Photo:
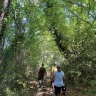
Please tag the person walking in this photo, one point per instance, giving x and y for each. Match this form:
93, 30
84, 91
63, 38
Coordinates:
58, 79
54, 68
41, 74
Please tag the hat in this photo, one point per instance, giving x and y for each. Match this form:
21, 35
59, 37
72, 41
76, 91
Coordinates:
58, 66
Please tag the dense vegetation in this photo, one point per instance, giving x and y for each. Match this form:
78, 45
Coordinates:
36, 31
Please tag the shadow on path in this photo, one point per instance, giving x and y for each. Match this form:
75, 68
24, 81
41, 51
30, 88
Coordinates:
46, 90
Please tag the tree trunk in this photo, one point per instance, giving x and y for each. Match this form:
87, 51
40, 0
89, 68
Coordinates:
3, 13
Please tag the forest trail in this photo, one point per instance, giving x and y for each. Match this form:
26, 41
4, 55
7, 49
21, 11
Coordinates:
47, 90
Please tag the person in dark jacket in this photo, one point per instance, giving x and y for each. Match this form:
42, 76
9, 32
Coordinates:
41, 74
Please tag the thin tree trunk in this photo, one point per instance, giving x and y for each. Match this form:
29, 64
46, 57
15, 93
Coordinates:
3, 13
3, 10
3, 25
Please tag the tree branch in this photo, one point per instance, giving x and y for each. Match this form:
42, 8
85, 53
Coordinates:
78, 17
84, 7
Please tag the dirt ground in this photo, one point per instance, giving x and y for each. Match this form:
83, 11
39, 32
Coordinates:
47, 89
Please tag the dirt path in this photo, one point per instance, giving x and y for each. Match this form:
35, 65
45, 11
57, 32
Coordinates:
46, 90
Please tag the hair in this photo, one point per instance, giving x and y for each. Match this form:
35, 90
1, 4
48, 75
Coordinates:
42, 64
54, 64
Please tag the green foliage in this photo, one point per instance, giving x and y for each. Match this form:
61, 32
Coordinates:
48, 31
